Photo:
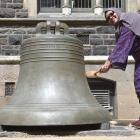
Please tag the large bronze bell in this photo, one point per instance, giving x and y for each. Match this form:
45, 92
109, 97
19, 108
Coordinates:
52, 89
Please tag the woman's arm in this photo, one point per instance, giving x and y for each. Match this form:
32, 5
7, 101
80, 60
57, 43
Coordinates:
120, 53
118, 58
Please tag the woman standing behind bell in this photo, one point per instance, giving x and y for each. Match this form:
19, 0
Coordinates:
127, 26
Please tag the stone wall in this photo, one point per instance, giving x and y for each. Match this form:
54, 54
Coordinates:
97, 40
11, 38
12, 9
8, 74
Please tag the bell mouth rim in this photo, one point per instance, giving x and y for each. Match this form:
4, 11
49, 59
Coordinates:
38, 117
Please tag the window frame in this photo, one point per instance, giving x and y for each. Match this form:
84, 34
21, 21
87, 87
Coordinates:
123, 5
73, 10
46, 9
58, 10
82, 10
11, 91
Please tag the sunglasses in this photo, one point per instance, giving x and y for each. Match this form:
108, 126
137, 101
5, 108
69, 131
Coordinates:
109, 16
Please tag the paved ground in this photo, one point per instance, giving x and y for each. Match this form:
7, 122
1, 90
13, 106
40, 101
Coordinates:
76, 138
115, 132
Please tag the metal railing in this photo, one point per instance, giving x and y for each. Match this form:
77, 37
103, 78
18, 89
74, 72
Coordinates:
81, 3
78, 5
74, 3
50, 3
114, 3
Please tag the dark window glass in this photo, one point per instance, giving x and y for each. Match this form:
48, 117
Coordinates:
9, 88
50, 3
81, 3
113, 3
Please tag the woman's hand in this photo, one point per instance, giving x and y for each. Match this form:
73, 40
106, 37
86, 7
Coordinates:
105, 67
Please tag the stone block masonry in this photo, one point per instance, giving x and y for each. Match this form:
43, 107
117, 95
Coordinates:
12, 37
12, 9
98, 40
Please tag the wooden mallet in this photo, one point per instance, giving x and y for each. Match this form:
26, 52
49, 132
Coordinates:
92, 74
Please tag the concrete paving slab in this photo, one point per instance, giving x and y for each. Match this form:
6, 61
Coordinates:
114, 133
76, 138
